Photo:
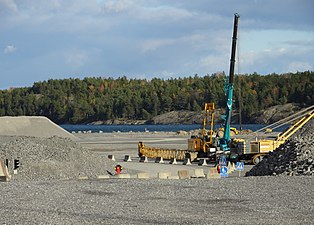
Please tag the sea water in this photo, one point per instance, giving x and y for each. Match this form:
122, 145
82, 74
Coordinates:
152, 128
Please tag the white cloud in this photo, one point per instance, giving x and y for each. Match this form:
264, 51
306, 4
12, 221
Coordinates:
117, 6
163, 13
154, 44
76, 58
298, 66
214, 63
9, 49
159, 37
8, 6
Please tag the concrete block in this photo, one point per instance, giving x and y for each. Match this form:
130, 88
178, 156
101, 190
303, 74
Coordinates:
124, 176
213, 170
127, 158
233, 167
4, 173
111, 157
175, 177
187, 161
143, 175
230, 168
164, 175
213, 175
198, 173
159, 160
103, 177
202, 162
184, 174
143, 159
173, 161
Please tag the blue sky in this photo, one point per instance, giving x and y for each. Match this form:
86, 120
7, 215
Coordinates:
55, 39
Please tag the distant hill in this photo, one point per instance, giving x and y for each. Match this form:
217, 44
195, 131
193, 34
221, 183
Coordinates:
118, 100
267, 116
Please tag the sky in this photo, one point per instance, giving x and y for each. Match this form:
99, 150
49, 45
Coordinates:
58, 39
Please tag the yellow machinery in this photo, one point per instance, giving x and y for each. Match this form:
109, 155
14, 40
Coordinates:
204, 142
233, 132
256, 150
197, 146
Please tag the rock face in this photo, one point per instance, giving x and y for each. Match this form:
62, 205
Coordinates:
275, 113
293, 158
267, 116
178, 117
184, 117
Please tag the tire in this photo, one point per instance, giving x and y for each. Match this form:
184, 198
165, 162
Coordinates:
256, 160
220, 133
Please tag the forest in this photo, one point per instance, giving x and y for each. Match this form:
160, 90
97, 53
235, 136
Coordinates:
102, 98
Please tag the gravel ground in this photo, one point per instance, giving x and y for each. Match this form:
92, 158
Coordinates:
38, 194
249, 200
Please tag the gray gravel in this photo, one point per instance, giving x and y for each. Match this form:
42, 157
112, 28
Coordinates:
250, 200
293, 158
52, 158
38, 194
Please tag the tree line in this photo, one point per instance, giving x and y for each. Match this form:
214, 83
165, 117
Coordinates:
99, 98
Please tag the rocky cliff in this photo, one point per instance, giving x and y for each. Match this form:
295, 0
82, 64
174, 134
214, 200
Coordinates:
267, 116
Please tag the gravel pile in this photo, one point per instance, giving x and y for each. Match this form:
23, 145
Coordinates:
52, 158
294, 158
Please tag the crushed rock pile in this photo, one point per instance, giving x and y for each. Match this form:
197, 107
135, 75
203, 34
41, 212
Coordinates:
52, 158
35, 126
293, 158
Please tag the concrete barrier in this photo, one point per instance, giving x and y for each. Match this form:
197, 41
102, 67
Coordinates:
184, 174
175, 177
111, 157
83, 178
124, 176
213, 173
163, 175
143, 176
173, 161
187, 161
103, 177
230, 168
4, 173
143, 159
127, 158
202, 162
159, 160
198, 173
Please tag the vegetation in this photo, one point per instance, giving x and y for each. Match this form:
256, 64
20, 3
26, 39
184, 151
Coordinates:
93, 99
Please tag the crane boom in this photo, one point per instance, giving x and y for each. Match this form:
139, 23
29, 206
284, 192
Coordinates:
224, 142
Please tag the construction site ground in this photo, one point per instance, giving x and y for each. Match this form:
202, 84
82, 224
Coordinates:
120, 145
44, 198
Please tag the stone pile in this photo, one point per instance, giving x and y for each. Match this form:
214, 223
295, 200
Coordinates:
293, 158
52, 158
